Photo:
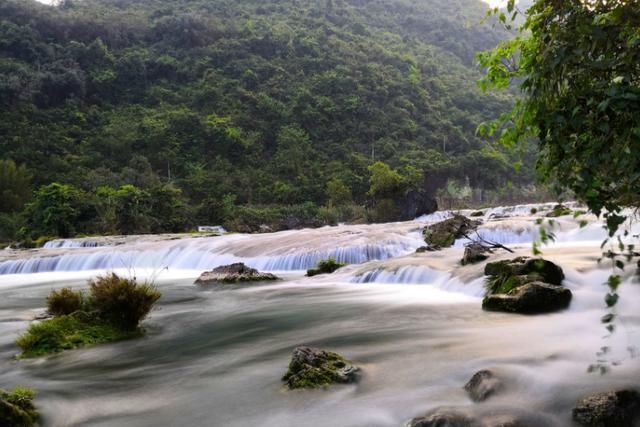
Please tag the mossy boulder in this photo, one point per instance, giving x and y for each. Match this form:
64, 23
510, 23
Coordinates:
17, 408
525, 285
313, 368
476, 214
530, 298
234, 273
444, 233
534, 268
611, 409
559, 210
325, 267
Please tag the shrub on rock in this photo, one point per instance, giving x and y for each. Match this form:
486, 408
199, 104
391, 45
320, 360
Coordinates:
17, 408
313, 368
325, 267
122, 302
64, 301
112, 311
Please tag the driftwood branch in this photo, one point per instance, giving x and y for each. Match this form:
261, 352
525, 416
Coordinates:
479, 240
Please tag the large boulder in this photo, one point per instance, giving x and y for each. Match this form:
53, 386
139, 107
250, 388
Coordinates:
444, 233
525, 285
233, 273
482, 385
530, 298
313, 368
524, 266
611, 409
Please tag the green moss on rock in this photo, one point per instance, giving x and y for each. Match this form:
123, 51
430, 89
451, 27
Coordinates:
325, 267
313, 368
67, 332
17, 408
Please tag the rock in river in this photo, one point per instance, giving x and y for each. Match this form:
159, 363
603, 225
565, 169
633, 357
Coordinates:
525, 285
234, 273
482, 385
312, 368
444, 233
611, 409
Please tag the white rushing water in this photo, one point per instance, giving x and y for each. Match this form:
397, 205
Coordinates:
413, 322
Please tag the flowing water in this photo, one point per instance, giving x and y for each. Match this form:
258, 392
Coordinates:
413, 322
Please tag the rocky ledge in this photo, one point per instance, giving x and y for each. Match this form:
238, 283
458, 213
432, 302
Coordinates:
234, 273
444, 233
313, 368
525, 285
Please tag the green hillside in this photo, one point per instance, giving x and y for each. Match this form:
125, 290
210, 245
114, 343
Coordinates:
238, 112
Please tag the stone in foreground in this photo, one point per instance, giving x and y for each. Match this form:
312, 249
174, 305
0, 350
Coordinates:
483, 385
612, 409
233, 273
444, 233
313, 368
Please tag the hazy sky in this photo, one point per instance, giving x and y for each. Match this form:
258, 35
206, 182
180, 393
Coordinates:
495, 3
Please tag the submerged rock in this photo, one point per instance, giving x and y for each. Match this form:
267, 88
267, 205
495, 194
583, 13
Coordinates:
452, 417
444, 417
444, 233
611, 409
476, 214
475, 253
234, 273
312, 368
525, 285
482, 385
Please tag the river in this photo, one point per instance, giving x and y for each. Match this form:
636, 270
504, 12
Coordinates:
412, 322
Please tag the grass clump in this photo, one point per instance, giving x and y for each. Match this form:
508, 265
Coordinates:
326, 266
17, 408
64, 301
112, 311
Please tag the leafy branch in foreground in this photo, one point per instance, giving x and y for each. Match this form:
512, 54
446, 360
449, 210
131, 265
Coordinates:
576, 65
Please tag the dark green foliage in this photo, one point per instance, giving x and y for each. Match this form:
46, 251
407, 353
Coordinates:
276, 103
112, 311
325, 266
15, 186
17, 408
576, 63
64, 301
122, 302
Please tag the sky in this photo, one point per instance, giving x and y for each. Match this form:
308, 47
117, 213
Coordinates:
494, 3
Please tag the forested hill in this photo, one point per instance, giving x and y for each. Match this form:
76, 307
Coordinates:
223, 107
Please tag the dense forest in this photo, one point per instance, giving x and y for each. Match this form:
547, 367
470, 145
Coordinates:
133, 116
